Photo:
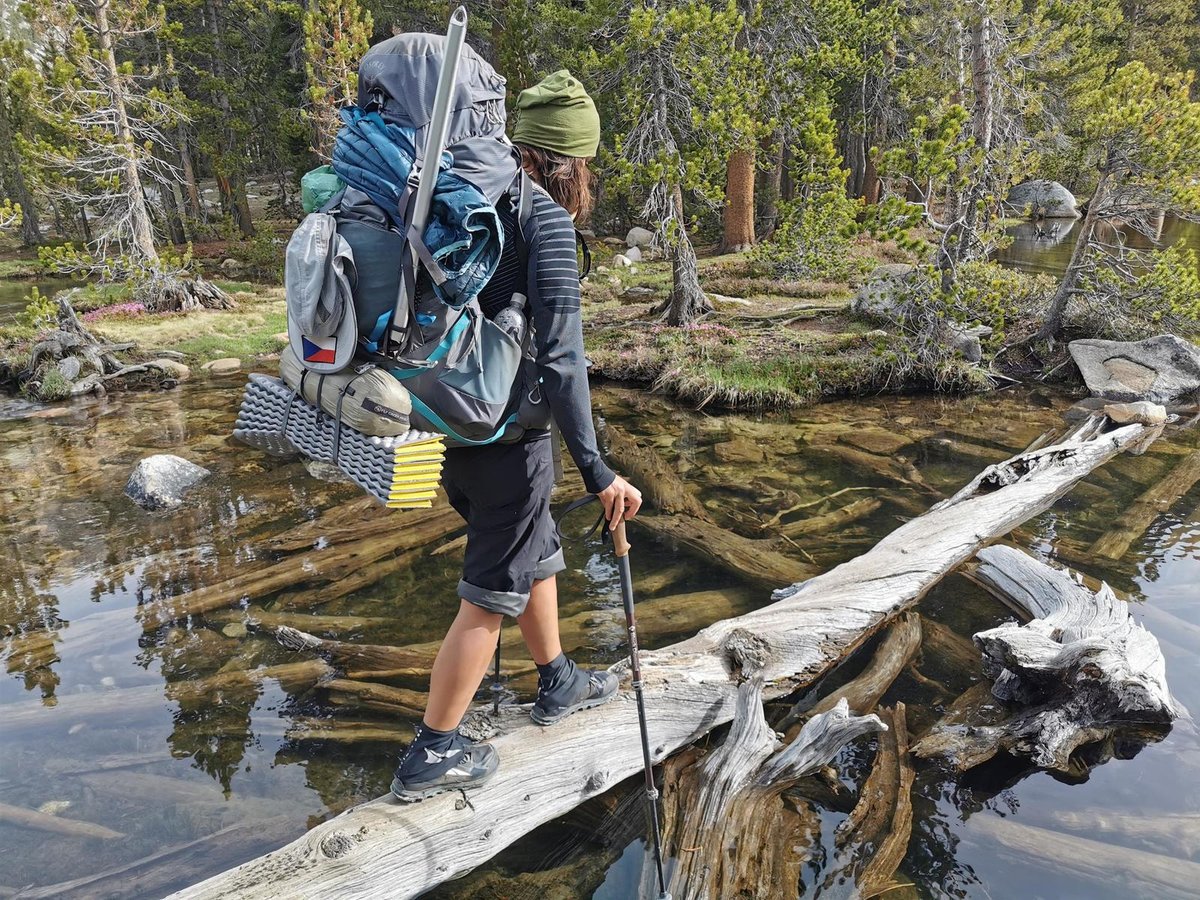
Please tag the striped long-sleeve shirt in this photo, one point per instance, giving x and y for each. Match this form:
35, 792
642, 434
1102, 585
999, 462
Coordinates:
552, 287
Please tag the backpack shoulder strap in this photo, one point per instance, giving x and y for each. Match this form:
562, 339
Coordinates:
522, 200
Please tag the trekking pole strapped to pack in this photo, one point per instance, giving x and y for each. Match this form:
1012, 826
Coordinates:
416, 217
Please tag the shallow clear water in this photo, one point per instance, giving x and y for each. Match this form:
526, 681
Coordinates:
14, 292
1045, 247
94, 727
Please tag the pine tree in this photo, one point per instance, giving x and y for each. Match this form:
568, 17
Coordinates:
1141, 132
108, 125
672, 64
18, 84
336, 35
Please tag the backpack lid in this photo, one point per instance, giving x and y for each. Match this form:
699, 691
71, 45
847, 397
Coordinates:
399, 78
318, 276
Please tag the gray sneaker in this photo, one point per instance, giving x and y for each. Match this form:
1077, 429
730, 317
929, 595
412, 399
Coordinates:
585, 690
426, 773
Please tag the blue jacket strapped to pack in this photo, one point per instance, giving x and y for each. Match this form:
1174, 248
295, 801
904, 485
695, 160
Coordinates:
463, 237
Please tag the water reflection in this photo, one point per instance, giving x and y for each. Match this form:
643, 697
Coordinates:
204, 728
1045, 247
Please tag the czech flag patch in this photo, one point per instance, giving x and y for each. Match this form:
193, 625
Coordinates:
319, 349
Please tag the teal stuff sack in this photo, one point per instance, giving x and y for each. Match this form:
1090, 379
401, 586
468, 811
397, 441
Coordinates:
318, 187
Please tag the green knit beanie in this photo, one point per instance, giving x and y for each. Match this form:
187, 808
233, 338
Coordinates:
557, 114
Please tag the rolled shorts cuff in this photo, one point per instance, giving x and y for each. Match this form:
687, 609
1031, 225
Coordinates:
506, 603
551, 565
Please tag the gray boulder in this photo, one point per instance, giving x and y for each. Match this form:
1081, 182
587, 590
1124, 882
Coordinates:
70, 367
160, 481
633, 254
879, 296
1043, 198
966, 341
639, 237
1161, 369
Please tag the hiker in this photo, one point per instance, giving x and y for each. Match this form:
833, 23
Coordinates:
503, 489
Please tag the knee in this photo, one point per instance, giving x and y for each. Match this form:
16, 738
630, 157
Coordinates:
476, 616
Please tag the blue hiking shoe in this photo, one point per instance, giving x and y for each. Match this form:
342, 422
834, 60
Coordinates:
445, 762
564, 689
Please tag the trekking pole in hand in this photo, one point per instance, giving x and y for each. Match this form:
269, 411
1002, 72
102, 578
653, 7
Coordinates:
621, 549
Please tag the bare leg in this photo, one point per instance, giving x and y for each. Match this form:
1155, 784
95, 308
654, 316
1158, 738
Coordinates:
539, 622
460, 666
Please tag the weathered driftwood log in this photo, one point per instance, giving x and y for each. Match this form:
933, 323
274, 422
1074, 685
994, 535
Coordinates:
347, 731
1105, 865
1079, 671
691, 688
728, 807
378, 697
370, 574
31, 818
254, 617
1156, 500
863, 691
947, 645
681, 517
873, 839
832, 520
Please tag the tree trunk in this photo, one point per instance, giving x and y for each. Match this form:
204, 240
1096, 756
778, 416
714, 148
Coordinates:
143, 233
229, 178
738, 235
1067, 288
191, 188
687, 301
872, 185
396, 850
31, 232
171, 204
727, 808
1081, 671
772, 189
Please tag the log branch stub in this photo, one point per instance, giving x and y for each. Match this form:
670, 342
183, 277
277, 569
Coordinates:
873, 839
728, 806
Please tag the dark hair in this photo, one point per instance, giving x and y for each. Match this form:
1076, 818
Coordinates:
566, 179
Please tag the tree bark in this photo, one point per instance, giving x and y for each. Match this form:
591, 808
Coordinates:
727, 808
768, 198
183, 147
687, 301
738, 219
31, 232
387, 849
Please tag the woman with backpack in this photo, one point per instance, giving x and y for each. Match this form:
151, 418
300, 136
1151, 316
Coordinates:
503, 489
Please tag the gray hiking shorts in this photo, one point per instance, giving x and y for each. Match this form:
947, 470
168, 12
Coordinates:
503, 492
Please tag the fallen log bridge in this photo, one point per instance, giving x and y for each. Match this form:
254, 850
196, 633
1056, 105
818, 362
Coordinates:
387, 849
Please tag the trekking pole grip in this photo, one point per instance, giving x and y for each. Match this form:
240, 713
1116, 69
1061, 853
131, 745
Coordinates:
620, 541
